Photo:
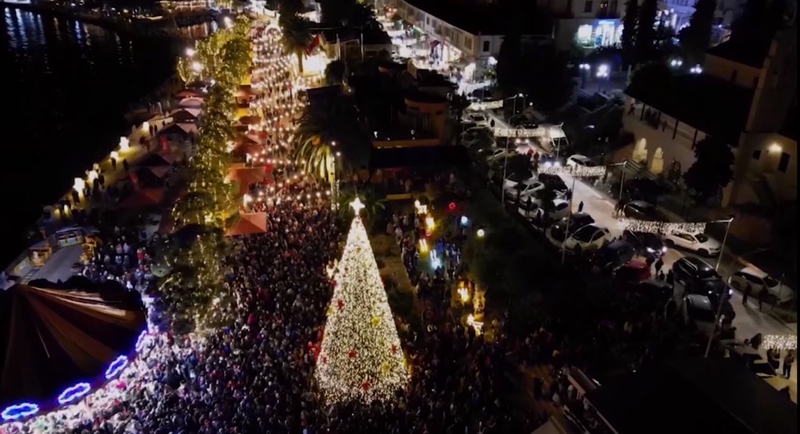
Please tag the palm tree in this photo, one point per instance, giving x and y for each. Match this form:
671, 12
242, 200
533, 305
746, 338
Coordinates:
373, 203
329, 138
296, 37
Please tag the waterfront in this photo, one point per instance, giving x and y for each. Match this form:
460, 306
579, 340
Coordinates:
67, 88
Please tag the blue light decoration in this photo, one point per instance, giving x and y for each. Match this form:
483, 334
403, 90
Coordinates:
140, 341
72, 393
464, 220
116, 367
19, 411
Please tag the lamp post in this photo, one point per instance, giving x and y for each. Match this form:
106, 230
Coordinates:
503, 184
724, 240
722, 299
585, 71
575, 172
602, 73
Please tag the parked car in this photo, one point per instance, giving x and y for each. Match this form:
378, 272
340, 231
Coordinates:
699, 312
553, 182
512, 180
642, 210
529, 189
703, 244
495, 154
479, 119
613, 255
633, 271
556, 232
586, 239
578, 160
698, 277
758, 280
645, 243
535, 212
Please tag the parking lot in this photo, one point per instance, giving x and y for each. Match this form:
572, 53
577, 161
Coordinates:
749, 320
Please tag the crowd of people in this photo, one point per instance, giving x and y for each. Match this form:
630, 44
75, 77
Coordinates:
256, 376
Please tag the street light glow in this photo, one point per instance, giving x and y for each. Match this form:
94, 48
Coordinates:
602, 71
697, 69
190, 52
197, 66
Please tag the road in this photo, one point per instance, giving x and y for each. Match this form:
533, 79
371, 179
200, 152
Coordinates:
749, 320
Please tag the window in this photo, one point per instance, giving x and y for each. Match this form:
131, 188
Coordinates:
587, 8
485, 46
604, 6
757, 155
784, 163
614, 6
734, 74
468, 43
428, 20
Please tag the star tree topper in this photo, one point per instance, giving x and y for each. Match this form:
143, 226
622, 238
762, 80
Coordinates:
357, 206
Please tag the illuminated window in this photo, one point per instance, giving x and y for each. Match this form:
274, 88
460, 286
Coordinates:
585, 33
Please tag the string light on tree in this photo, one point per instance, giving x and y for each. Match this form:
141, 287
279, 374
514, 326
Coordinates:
780, 342
360, 356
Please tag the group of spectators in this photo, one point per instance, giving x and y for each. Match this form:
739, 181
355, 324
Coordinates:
256, 376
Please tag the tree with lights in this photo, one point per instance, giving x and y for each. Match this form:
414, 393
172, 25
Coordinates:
296, 37
696, 38
360, 358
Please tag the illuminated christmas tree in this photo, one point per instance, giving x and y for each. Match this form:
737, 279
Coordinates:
361, 357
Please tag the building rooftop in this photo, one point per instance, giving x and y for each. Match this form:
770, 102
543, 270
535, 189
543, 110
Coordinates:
695, 397
419, 156
479, 17
748, 54
712, 105
371, 37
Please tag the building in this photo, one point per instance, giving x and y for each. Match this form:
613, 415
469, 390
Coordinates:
690, 397
347, 43
589, 23
677, 13
748, 95
470, 36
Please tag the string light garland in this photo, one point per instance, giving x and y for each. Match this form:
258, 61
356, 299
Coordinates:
360, 356
652, 227
488, 105
577, 171
780, 342
19, 411
75, 392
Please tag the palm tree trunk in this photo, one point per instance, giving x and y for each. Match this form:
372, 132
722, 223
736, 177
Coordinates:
300, 60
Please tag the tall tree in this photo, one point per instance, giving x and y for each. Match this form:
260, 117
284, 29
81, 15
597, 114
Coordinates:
646, 31
547, 77
696, 38
296, 37
628, 39
335, 72
509, 62
712, 169
360, 358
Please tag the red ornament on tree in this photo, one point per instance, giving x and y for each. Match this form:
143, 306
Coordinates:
365, 385
324, 360
340, 304
394, 349
352, 354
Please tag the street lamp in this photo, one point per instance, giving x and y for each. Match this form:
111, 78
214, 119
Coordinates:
676, 63
602, 73
575, 172
586, 70
697, 69
190, 52
724, 240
